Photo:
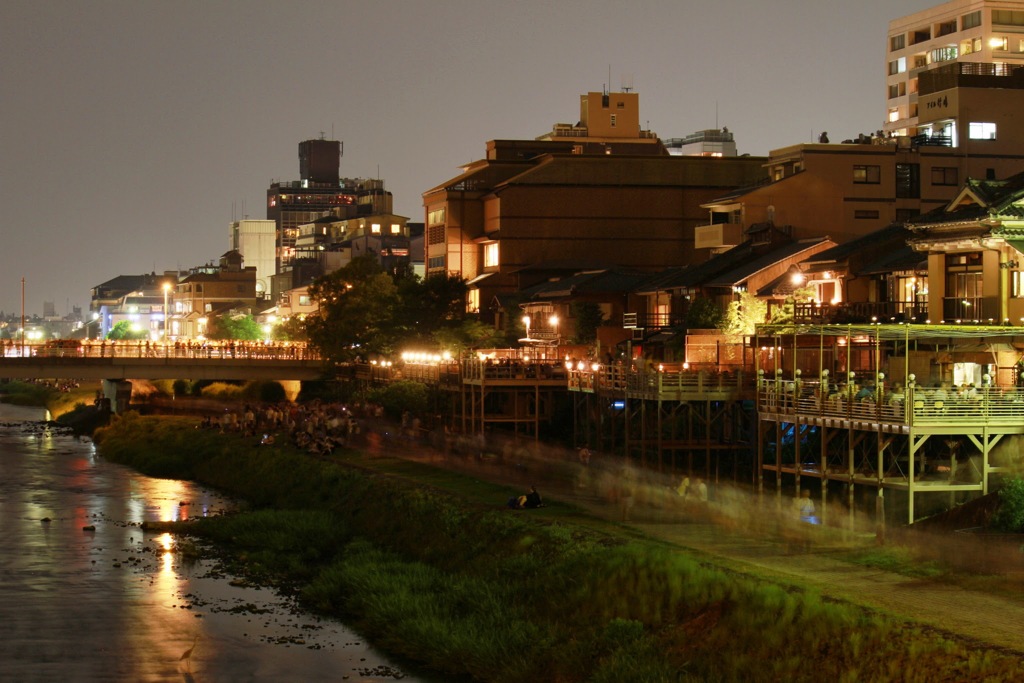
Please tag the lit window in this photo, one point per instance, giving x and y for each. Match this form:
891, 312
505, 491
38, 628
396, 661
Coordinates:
894, 115
867, 174
998, 43
490, 254
981, 131
375, 228
473, 301
395, 228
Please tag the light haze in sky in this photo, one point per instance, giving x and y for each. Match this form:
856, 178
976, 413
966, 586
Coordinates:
134, 132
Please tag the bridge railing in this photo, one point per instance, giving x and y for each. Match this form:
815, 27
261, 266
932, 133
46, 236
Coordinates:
137, 349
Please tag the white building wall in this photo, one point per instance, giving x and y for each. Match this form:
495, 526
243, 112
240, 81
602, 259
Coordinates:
255, 241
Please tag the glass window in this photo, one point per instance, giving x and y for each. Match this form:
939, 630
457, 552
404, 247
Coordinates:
1006, 17
1017, 284
948, 175
908, 181
491, 255
977, 130
897, 42
613, 120
867, 174
395, 228
971, 20
943, 54
375, 228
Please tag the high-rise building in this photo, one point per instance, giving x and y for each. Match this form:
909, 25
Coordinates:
986, 34
320, 188
255, 240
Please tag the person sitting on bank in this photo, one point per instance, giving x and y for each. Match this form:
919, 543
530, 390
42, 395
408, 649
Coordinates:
533, 499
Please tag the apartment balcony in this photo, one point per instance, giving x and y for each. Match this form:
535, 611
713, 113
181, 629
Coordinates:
717, 235
970, 308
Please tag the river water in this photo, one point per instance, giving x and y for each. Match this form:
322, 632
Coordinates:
118, 604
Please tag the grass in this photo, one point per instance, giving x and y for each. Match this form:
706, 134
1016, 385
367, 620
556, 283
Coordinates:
469, 588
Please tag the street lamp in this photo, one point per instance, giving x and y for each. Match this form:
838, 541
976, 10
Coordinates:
167, 289
553, 320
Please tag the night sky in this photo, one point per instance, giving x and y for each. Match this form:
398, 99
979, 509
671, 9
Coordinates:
134, 132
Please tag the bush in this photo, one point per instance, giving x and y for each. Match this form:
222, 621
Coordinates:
1010, 515
181, 387
400, 396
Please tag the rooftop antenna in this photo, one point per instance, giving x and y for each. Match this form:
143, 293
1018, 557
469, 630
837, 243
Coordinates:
627, 83
716, 114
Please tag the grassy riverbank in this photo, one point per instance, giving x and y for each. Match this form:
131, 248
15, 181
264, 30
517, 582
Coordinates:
473, 588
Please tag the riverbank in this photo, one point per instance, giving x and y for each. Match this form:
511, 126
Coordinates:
468, 587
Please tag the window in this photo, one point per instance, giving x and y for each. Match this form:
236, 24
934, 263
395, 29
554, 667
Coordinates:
898, 89
620, 105
396, 229
898, 66
865, 214
1006, 17
375, 228
897, 42
473, 301
613, 120
1017, 284
998, 43
491, 255
304, 300
436, 216
894, 115
943, 54
945, 175
435, 262
871, 175
970, 20
908, 181
947, 27
981, 131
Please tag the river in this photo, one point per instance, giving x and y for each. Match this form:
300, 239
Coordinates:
86, 595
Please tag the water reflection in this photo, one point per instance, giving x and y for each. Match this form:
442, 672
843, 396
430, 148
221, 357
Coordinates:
87, 595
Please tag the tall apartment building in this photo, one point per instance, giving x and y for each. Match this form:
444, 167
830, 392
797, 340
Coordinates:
320, 188
987, 34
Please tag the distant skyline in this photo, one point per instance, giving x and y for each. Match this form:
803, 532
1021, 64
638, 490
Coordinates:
134, 132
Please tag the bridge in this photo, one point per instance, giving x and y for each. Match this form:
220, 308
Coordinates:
118, 362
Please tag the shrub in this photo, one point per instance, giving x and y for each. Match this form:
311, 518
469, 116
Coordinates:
1010, 515
181, 387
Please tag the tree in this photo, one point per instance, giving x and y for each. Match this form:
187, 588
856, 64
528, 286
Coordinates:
125, 329
470, 334
588, 317
704, 314
745, 314
356, 315
240, 327
292, 329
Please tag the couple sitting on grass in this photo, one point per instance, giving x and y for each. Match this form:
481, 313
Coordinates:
528, 502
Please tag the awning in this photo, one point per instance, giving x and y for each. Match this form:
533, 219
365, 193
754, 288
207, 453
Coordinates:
479, 278
1017, 244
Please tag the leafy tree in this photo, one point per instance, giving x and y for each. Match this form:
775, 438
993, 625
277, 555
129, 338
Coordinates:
357, 311
293, 329
588, 317
1010, 514
240, 327
744, 314
704, 314
397, 397
123, 329
470, 334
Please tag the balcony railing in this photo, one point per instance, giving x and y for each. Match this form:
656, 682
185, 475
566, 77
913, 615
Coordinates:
861, 311
987, 405
650, 321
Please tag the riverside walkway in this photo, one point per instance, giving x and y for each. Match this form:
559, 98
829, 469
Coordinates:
987, 609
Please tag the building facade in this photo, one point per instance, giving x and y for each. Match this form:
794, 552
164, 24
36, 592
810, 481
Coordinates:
961, 31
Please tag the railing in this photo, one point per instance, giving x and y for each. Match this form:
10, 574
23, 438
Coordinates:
515, 368
861, 311
662, 381
986, 405
650, 321
142, 349
964, 308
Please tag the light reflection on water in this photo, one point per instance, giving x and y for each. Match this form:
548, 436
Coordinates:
119, 604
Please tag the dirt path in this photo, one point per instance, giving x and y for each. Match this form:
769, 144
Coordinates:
935, 603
